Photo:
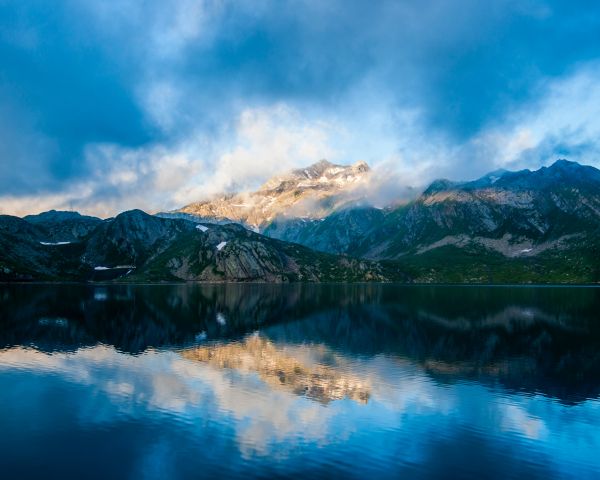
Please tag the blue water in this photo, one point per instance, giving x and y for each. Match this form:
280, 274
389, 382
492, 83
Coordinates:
363, 381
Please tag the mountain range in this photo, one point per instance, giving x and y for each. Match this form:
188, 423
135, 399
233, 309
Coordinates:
316, 224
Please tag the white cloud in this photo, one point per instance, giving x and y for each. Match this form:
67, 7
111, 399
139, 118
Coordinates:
266, 141
261, 142
564, 121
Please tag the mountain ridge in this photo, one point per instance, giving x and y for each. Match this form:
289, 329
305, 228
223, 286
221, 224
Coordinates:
136, 246
525, 226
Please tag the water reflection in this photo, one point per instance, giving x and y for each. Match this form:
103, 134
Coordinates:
283, 368
529, 339
251, 380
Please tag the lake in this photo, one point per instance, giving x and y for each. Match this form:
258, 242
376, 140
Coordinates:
319, 381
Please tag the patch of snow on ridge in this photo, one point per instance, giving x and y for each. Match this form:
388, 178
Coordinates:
221, 319
55, 243
221, 245
202, 228
130, 267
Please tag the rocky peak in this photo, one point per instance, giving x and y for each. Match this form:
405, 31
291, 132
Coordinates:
318, 175
304, 191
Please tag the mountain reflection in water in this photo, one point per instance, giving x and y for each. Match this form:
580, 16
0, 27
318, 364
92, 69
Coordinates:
280, 369
287, 380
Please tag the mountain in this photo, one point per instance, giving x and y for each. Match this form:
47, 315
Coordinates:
541, 225
513, 213
311, 192
135, 246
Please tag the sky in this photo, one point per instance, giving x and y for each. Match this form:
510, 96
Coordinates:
107, 105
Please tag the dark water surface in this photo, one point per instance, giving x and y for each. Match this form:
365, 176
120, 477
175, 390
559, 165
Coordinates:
360, 381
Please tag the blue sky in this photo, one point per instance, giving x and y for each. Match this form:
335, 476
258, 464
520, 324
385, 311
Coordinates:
108, 105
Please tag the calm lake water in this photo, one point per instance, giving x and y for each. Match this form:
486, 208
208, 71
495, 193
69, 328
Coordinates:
359, 381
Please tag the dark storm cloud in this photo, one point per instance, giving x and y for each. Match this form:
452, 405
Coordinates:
78, 73
62, 85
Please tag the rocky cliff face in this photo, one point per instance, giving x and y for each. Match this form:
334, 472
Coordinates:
312, 192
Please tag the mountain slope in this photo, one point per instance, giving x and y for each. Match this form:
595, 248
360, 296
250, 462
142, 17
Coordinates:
339, 232
26, 253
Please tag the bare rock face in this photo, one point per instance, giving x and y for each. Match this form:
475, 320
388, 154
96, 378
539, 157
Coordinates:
249, 261
311, 192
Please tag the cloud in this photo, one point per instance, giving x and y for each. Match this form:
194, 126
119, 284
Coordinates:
261, 142
268, 141
430, 87
565, 121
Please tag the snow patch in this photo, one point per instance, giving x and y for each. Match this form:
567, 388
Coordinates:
526, 250
202, 228
221, 245
221, 320
55, 243
130, 267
